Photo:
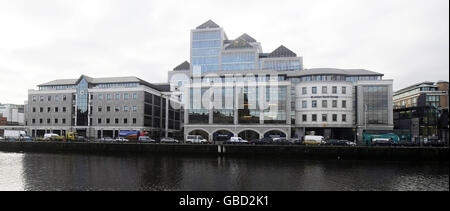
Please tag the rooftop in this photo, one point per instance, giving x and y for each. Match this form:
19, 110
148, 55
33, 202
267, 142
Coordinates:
208, 24
107, 80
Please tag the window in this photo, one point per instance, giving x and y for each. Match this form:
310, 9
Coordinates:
100, 97
117, 96
134, 121
334, 90
125, 96
56, 121
91, 96
57, 98
324, 103
314, 90
304, 90
304, 117
34, 98
40, 121
41, 109
49, 98
41, 98
64, 98
344, 104
134, 96
48, 121
314, 104
304, 104
34, 110
324, 89
49, 109
116, 109
314, 117
64, 109
108, 108
134, 108
125, 108
324, 117
99, 109
116, 120
108, 96
344, 117
334, 104
33, 121
99, 121
56, 109
64, 121
108, 121
344, 90
334, 117
125, 121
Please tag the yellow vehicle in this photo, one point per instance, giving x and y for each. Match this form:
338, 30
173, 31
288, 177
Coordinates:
71, 136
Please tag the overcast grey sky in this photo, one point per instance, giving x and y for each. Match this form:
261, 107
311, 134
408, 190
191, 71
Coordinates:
407, 40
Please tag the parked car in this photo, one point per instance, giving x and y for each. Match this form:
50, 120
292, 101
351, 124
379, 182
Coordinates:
350, 143
121, 139
253, 141
196, 139
295, 141
146, 139
236, 140
433, 141
280, 141
265, 140
334, 142
52, 137
314, 140
107, 139
405, 143
1, 138
169, 140
27, 138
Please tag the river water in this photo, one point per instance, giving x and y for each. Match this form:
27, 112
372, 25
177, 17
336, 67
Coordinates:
39, 171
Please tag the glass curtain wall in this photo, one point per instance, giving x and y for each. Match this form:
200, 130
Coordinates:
376, 103
206, 46
238, 61
82, 103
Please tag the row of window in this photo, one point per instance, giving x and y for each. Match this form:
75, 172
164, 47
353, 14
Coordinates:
116, 108
334, 90
333, 78
99, 109
117, 96
334, 118
334, 104
49, 109
99, 121
49, 98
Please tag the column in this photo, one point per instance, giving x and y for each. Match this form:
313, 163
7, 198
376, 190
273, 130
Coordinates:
167, 118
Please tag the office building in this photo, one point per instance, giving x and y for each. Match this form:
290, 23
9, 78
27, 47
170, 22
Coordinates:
101, 107
421, 111
232, 88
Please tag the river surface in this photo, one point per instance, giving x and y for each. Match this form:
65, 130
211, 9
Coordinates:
40, 171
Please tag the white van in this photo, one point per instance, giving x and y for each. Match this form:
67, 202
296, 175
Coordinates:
237, 140
48, 136
314, 140
195, 139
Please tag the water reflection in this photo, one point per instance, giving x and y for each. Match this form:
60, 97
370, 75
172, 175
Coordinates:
32, 171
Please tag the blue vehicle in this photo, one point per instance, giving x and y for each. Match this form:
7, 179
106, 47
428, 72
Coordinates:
381, 139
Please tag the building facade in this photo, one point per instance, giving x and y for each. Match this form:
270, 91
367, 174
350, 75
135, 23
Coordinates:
13, 113
232, 88
101, 107
421, 111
